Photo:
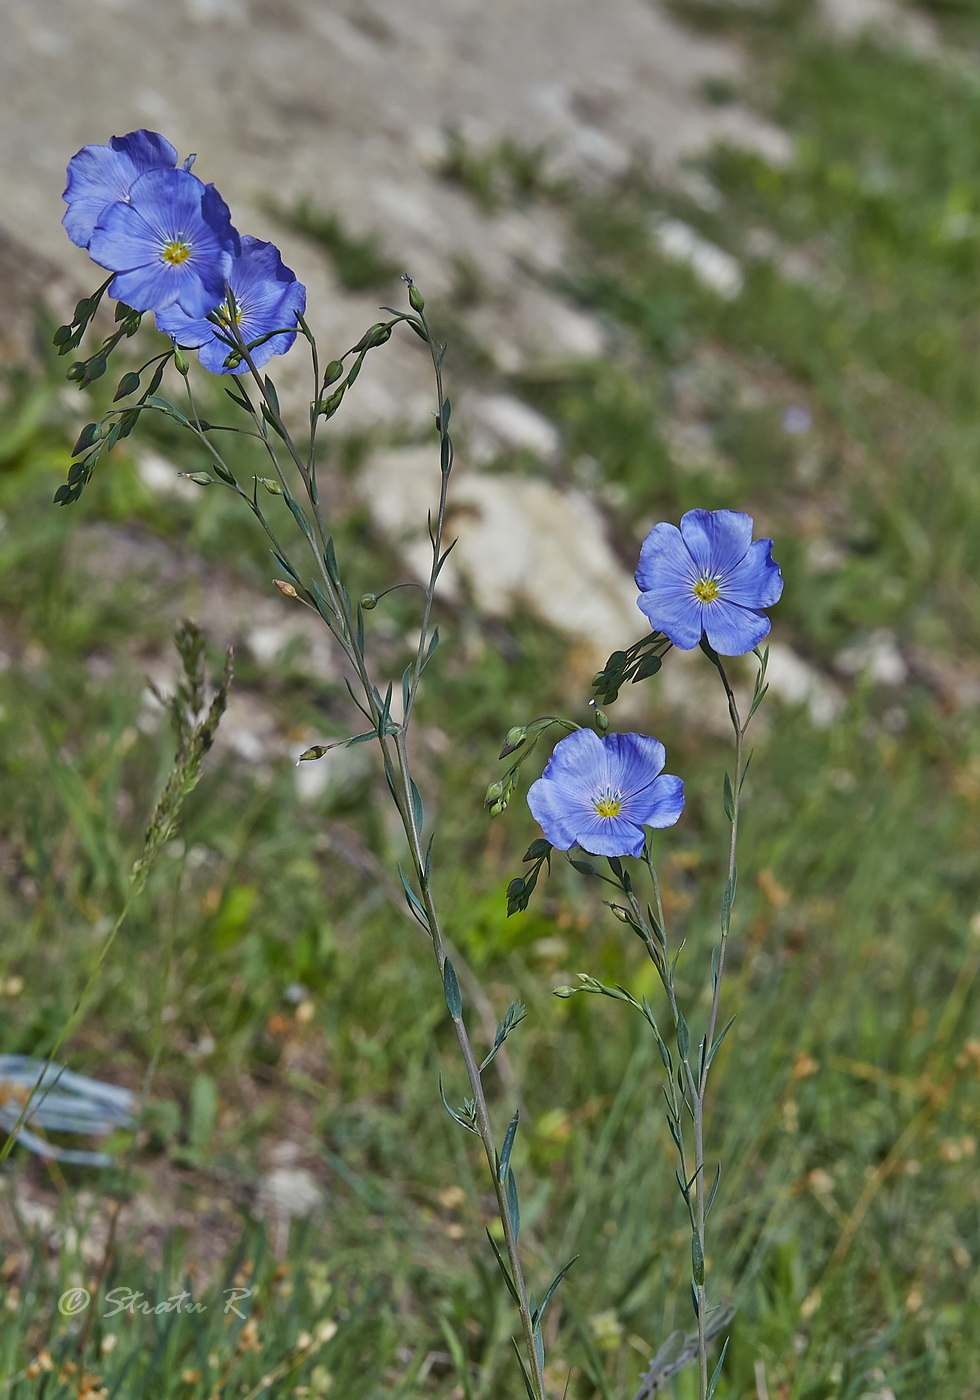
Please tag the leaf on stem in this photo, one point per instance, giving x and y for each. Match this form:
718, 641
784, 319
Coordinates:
450, 984
503, 1167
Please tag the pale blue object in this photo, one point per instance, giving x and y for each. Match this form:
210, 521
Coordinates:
64, 1103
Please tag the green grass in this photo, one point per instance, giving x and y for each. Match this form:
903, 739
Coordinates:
847, 1107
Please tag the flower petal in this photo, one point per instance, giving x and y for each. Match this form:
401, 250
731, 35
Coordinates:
675, 612
578, 764
665, 560
756, 581
145, 288
732, 630
146, 149
609, 836
122, 239
659, 805
634, 761
551, 810
716, 539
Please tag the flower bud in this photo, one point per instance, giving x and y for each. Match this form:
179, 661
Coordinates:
601, 720
494, 791
332, 372
94, 369
415, 298
61, 336
620, 913
180, 361
369, 601
129, 383
76, 370
286, 589
377, 335
499, 806
198, 478
273, 487
328, 407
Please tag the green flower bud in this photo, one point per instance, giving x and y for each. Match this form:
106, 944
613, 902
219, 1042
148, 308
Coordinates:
273, 487
180, 361
328, 407
377, 335
499, 806
127, 385
415, 298
601, 720
494, 791
94, 369
332, 372
369, 602
61, 336
76, 370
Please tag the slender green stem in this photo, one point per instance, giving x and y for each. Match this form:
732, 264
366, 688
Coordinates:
483, 1122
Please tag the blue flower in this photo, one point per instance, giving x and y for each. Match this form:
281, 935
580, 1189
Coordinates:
172, 242
600, 793
708, 578
100, 175
267, 297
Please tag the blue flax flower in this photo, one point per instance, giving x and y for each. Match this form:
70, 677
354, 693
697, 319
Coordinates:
600, 793
171, 242
708, 578
101, 175
267, 297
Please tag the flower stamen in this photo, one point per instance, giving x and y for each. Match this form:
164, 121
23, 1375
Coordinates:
707, 589
608, 805
175, 251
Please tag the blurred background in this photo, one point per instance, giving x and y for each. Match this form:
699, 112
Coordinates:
701, 253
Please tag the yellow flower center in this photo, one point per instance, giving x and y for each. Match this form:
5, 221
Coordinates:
175, 252
224, 316
608, 806
707, 589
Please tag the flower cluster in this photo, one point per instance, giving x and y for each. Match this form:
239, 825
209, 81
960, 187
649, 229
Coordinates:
706, 580
170, 243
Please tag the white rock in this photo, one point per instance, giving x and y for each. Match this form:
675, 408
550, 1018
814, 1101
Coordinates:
163, 478
520, 542
876, 656
516, 425
796, 682
290, 1191
709, 263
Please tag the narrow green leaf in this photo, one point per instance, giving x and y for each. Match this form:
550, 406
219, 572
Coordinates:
513, 1207
330, 559
713, 1385
450, 984
727, 901
298, 515
538, 1313
417, 808
683, 1039
728, 799
524, 1372
452, 1112
503, 1269
414, 903
718, 1039
697, 1259
714, 1187
162, 406
508, 1147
